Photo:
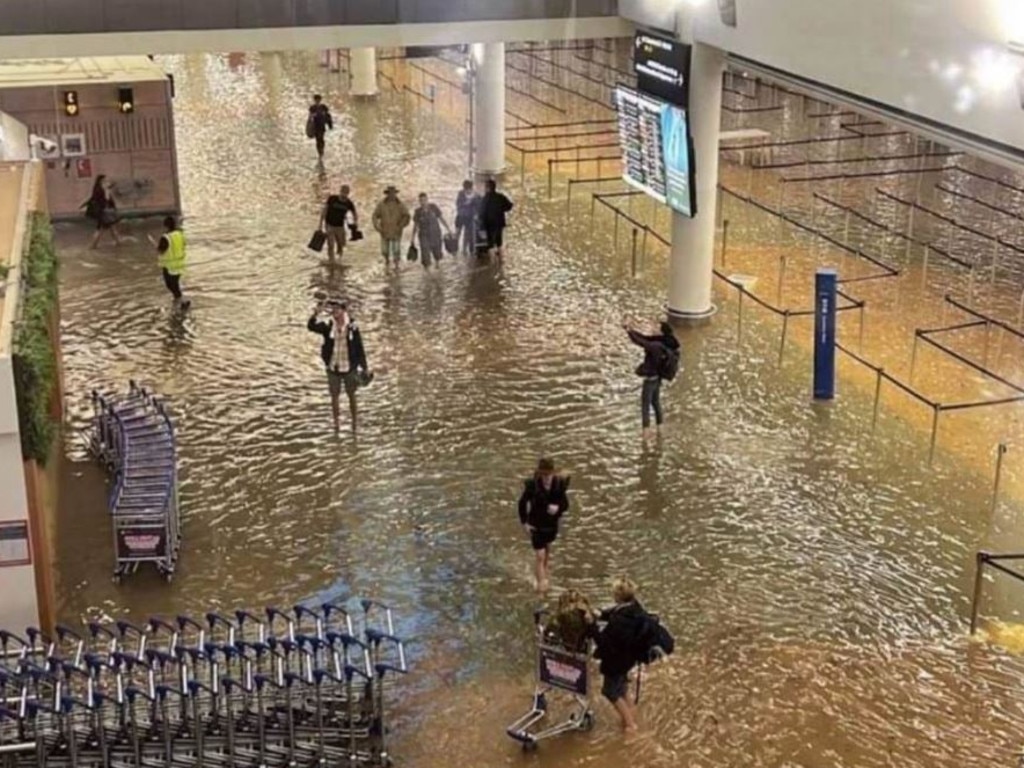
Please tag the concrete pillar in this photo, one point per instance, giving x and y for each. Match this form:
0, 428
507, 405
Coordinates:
488, 73
693, 240
363, 65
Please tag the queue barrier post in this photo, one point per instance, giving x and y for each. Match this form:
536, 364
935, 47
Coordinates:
937, 409
924, 268
551, 165
782, 278
979, 573
643, 247
616, 230
879, 376
913, 356
739, 314
1000, 453
725, 245
785, 330
1020, 311
860, 333
635, 236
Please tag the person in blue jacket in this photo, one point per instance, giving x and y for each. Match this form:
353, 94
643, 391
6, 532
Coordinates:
343, 354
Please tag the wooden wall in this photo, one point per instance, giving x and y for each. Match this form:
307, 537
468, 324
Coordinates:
135, 151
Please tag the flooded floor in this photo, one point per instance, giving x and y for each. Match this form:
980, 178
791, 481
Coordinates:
815, 572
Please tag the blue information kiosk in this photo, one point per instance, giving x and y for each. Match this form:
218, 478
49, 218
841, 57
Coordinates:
825, 286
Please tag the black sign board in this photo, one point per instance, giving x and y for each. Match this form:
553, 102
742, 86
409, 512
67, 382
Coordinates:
561, 669
432, 51
662, 67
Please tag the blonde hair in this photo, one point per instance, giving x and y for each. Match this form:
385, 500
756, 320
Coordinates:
624, 591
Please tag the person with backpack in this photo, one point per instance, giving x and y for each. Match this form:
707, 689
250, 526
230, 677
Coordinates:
630, 637
542, 503
317, 124
343, 355
333, 220
617, 648
661, 362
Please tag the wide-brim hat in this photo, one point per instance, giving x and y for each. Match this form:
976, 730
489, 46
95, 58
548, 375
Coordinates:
390, 188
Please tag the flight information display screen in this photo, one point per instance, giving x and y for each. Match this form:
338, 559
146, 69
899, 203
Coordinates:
643, 162
657, 151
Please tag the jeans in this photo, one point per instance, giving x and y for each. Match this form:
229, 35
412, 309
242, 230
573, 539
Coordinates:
650, 398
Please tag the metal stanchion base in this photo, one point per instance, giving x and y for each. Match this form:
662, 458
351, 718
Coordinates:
680, 317
483, 173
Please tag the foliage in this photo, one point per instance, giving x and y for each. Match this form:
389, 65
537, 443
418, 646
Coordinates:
35, 365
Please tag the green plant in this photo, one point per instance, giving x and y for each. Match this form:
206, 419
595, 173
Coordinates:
35, 365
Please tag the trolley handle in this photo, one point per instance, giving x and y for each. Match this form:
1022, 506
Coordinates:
35, 634
6, 637
346, 640
316, 643
351, 671
301, 610
213, 619
64, 632
329, 608
96, 630
186, 621
158, 624
244, 616
133, 692
258, 648
273, 613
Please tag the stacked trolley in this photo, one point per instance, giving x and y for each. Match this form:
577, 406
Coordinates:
306, 687
133, 437
561, 669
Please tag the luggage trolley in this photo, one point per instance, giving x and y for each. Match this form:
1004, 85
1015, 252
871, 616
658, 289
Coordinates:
559, 668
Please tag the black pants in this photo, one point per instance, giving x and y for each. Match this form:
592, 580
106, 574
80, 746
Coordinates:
320, 144
650, 398
173, 283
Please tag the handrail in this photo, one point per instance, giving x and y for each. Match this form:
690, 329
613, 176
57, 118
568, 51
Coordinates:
881, 159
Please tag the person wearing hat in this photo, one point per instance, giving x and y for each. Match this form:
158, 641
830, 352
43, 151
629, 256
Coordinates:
544, 500
343, 354
660, 350
390, 218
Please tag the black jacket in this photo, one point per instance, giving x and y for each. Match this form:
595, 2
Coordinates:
356, 352
652, 351
534, 501
618, 643
320, 115
493, 207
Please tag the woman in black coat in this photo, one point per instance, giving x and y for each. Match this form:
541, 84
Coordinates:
541, 505
101, 207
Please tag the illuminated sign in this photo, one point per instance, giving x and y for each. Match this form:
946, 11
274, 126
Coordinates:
71, 103
662, 67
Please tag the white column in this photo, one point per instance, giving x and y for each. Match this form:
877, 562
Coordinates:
489, 107
363, 64
693, 240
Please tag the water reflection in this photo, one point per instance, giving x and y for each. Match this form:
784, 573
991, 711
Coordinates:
813, 574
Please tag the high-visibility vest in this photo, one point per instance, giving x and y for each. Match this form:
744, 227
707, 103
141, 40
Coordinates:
173, 259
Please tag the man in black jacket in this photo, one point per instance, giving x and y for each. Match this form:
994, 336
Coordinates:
617, 648
343, 355
318, 122
656, 347
493, 209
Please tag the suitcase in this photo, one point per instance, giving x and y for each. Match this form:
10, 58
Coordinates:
318, 241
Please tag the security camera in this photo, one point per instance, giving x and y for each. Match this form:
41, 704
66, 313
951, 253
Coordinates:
43, 143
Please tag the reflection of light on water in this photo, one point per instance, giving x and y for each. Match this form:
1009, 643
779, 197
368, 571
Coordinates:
1009, 636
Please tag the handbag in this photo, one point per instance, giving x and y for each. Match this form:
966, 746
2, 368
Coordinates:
451, 243
412, 254
317, 241
108, 216
310, 127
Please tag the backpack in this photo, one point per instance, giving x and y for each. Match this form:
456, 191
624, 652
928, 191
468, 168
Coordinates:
668, 363
310, 126
652, 640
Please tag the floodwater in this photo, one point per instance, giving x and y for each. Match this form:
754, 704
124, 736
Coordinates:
815, 572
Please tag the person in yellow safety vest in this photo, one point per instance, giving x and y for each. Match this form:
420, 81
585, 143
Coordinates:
171, 248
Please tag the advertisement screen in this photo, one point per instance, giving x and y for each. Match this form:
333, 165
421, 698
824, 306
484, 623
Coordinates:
678, 160
662, 66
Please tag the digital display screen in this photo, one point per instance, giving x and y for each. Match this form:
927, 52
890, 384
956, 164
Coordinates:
678, 160
657, 151
643, 164
662, 67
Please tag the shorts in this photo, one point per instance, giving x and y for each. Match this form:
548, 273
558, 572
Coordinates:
337, 234
615, 687
543, 538
335, 380
391, 249
496, 237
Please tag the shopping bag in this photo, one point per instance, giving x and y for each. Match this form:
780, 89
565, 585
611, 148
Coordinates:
412, 254
451, 243
318, 241
310, 127
354, 233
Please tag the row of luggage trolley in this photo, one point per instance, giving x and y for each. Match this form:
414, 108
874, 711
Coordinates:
133, 437
306, 687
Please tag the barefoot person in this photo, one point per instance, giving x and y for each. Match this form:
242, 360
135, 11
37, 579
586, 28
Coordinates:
661, 361
541, 505
171, 247
343, 355
467, 204
617, 648
427, 221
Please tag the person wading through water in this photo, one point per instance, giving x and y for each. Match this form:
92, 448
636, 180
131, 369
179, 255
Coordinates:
661, 361
541, 505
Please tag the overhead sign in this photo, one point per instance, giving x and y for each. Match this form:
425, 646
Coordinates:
662, 67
